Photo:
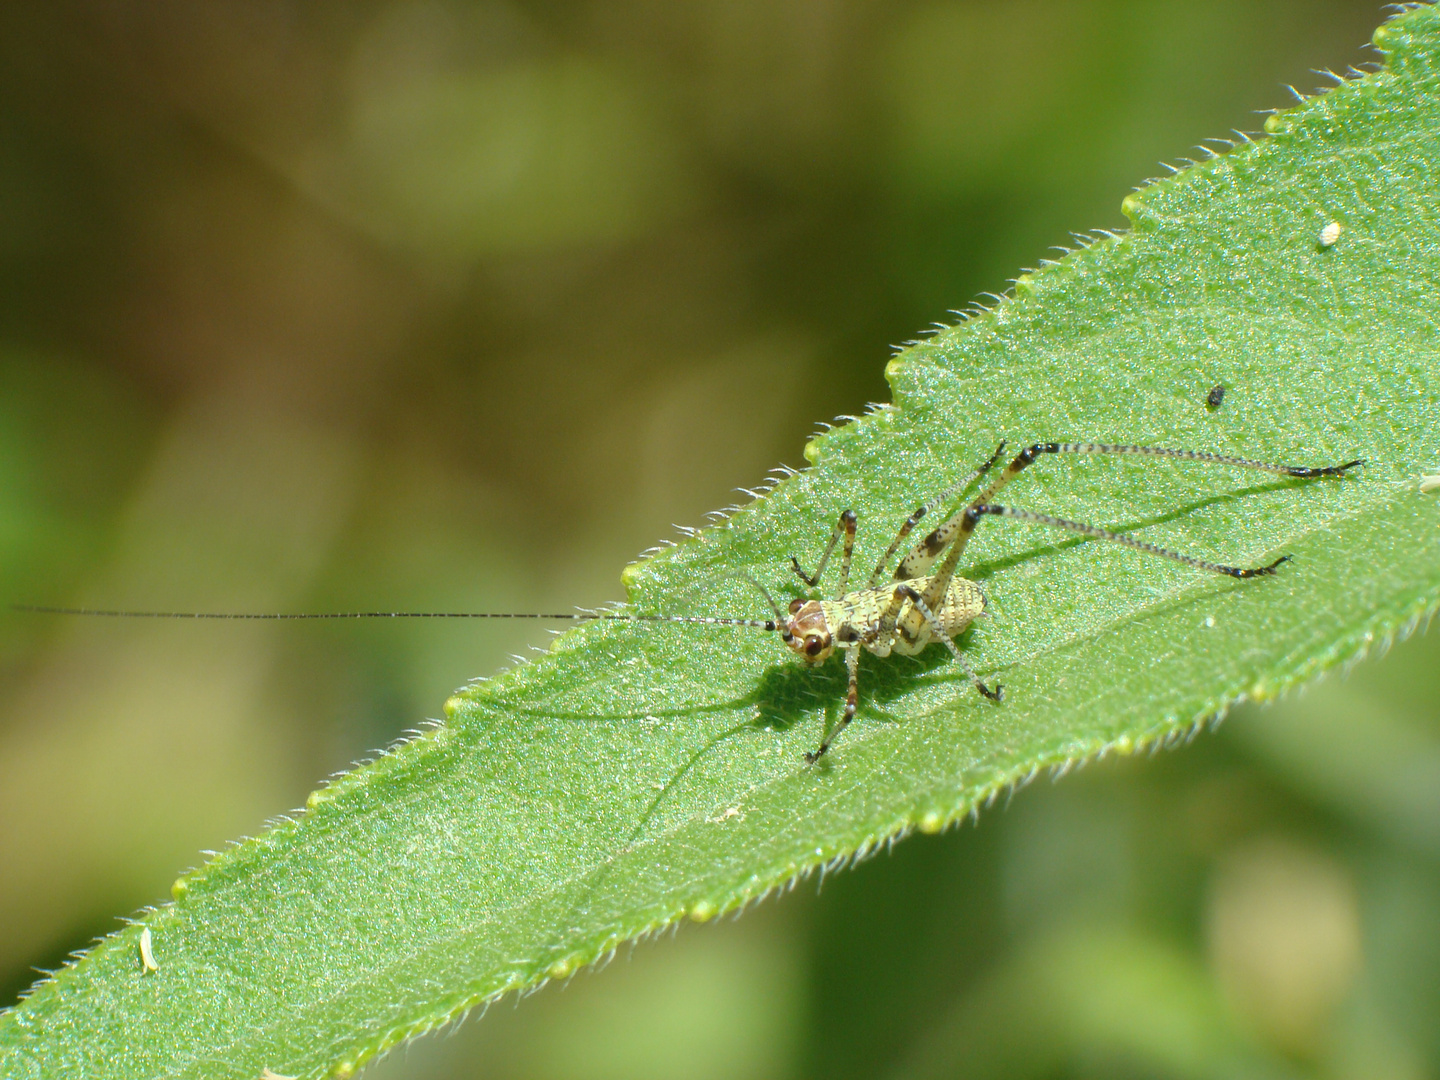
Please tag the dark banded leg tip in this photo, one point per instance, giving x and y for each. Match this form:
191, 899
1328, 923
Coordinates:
996, 695
1259, 571
1328, 470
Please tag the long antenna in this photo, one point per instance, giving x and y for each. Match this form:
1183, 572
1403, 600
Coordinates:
37, 609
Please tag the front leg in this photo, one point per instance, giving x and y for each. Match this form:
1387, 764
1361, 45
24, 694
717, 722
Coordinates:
852, 696
846, 527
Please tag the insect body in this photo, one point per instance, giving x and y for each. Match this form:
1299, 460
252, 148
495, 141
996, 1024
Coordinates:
918, 607
919, 604
888, 619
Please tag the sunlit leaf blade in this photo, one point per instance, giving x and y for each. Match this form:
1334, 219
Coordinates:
644, 773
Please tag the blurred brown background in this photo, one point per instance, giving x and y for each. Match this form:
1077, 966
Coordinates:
429, 304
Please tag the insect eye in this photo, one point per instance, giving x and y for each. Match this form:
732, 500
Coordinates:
813, 645
796, 605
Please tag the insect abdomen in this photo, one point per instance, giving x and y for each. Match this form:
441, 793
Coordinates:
963, 602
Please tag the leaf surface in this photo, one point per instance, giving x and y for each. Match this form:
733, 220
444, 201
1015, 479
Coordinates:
641, 773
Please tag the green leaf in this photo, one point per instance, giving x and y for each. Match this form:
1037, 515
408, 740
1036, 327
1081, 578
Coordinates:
642, 773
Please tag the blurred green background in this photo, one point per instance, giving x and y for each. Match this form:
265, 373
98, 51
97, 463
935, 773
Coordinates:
460, 305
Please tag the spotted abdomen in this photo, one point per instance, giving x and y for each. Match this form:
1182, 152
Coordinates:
964, 602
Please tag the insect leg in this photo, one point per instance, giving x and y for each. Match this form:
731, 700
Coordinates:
955, 532
846, 527
977, 512
942, 499
885, 628
905, 529
1031, 454
852, 695
938, 632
